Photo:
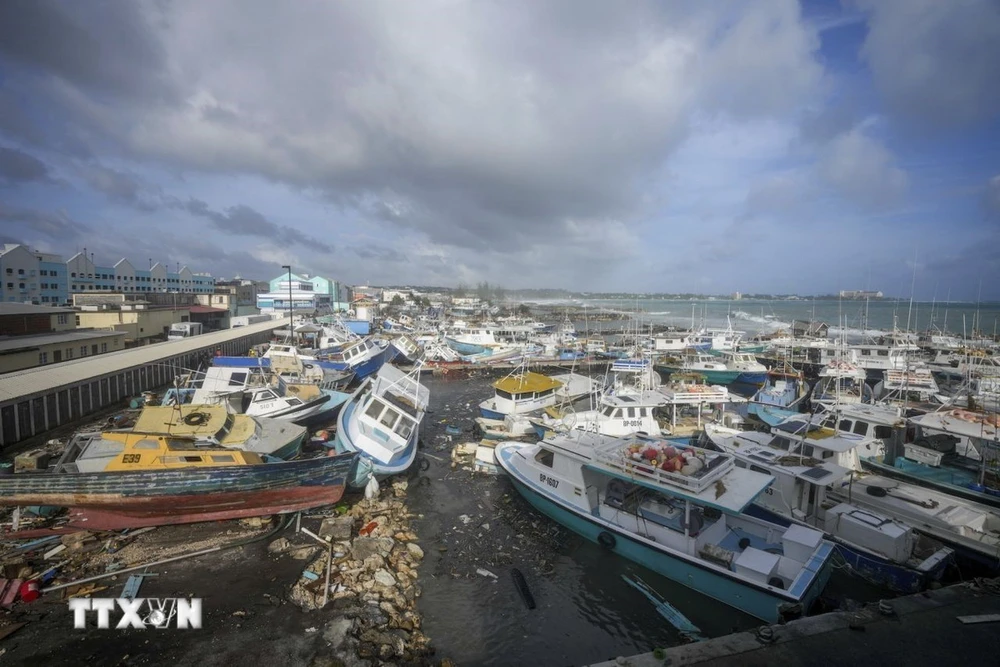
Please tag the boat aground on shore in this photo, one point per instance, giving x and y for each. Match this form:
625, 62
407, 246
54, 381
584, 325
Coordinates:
118, 480
680, 516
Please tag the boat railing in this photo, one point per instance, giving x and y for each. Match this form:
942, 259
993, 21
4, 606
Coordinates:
716, 467
720, 395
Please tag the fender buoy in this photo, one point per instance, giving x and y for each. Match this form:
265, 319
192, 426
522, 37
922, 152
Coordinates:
195, 418
606, 540
307, 366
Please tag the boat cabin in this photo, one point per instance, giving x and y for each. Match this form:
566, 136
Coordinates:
129, 450
524, 392
387, 424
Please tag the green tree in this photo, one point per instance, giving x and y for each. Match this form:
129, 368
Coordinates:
397, 301
523, 310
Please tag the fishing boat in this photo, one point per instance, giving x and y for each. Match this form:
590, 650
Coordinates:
616, 415
841, 382
362, 356
915, 384
291, 366
519, 393
694, 361
686, 400
751, 371
382, 421
952, 450
407, 350
677, 510
214, 424
881, 549
783, 392
118, 480
259, 393
970, 527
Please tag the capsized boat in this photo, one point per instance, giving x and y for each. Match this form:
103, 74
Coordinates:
382, 421
881, 549
677, 510
362, 356
292, 367
259, 393
213, 424
117, 480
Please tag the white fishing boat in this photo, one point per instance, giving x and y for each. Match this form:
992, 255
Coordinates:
261, 393
688, 402
520, 392
682, 516
382, 421
616, 415
694, 361
972, 528
841, 382
881, 549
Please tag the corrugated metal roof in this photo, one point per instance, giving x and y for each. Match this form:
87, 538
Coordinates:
31, 309
45, 378
22, 342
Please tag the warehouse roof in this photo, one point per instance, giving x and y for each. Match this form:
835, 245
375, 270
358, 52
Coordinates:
31, 309
13, 343
46, 378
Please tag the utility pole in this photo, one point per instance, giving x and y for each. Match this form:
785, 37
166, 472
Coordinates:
291, 329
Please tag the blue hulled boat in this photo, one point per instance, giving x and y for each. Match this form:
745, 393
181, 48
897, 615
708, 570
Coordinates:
677, 510
382, 421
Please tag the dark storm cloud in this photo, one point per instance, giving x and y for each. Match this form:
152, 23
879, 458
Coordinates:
56, 225
17, 167
242, 220
935, 62
482, 134
371, 251
105, 46
121, 187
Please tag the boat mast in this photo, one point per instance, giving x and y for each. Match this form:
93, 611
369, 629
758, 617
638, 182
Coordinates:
913, 282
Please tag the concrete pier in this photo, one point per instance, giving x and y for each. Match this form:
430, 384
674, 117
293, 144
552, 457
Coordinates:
35, 400
921, 629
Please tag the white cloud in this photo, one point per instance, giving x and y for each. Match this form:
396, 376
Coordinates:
863, 170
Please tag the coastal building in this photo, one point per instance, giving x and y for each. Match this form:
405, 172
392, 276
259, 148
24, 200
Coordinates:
142, 322
47, 279
33, 335
308, 295
860, 294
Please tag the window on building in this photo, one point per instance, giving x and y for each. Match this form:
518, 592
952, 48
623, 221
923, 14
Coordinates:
43, 358
43, 272
20, 272
104, 347
60, 319
77, 320
10, 271
54, 273
69, 353
83, 350
73, 275
10, 285
93, 349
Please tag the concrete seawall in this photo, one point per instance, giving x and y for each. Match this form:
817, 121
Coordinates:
921, 629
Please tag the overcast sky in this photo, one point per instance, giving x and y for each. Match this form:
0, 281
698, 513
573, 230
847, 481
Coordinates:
769, 146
